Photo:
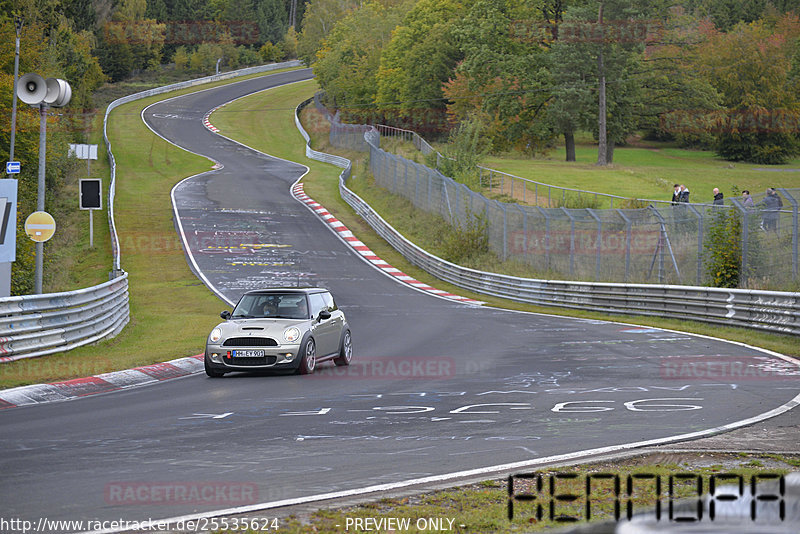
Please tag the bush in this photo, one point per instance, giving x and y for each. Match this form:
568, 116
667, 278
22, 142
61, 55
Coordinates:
272, 52
466, 239
465, 150
724, 249
577, 201
762, 148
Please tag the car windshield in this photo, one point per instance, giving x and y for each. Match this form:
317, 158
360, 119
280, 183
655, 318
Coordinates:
272, 305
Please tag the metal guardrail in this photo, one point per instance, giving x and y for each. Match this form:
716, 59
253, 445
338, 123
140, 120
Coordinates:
772, 311
37, 325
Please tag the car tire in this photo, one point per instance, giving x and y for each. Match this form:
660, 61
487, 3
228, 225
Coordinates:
345, 350
211, 372
308, 359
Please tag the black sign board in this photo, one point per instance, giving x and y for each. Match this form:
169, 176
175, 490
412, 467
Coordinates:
91, 196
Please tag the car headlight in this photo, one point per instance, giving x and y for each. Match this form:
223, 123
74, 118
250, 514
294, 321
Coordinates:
291, 334
215, 336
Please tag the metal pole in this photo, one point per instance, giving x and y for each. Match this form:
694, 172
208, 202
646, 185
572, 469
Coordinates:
91, 229
745, 236
40, 194
598, 244
699, 242
18, 24
793, 202
627, 243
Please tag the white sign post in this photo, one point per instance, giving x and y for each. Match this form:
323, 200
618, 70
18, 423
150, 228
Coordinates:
90, 188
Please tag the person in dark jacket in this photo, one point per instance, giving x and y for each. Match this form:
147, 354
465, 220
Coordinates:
718, 197
684, 196
676, 194
771, 205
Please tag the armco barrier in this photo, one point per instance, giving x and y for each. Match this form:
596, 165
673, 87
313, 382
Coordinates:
36, 325
773, 311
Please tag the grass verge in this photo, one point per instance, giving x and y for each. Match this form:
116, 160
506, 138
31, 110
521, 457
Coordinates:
171, 310
649, 170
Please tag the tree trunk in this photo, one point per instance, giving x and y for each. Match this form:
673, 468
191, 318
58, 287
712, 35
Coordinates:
610, 152
602, 134
569, 141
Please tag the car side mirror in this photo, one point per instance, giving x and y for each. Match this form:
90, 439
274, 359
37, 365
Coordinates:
225, 315
324, 315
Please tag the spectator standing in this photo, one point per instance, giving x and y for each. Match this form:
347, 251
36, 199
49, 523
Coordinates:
676, 194
772, 204
684, 195
747, 200
718, 197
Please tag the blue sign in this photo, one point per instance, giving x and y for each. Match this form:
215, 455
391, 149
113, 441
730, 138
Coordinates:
12, 167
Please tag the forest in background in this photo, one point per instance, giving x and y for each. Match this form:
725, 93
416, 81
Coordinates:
516, 75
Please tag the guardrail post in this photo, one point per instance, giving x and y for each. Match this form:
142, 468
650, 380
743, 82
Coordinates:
628, 225
793, 202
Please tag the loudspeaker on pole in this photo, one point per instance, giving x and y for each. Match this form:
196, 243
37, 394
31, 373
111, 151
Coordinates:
34, 90
31, 89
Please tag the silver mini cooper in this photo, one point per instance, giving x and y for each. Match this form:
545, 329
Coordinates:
273, 329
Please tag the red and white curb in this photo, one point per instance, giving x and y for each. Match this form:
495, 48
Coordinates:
365, 251
207, 121
102, 383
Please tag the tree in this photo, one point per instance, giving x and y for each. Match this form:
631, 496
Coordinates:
418, 59
130, 41
508, 75
319, 19
347, 64
603, 42
751, 68
273, 20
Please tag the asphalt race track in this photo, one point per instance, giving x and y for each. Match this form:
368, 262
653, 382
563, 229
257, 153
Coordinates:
436, 387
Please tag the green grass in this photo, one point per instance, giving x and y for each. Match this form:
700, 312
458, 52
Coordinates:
171, 310
648, 170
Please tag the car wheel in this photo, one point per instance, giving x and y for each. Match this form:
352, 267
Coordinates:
309, 360
345, 351
212, 373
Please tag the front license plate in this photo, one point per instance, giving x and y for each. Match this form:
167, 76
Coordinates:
248, 354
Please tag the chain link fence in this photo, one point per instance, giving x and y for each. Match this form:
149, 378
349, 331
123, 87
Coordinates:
687, 243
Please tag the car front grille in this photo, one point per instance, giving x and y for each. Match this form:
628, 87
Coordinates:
244, 362
250, 342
